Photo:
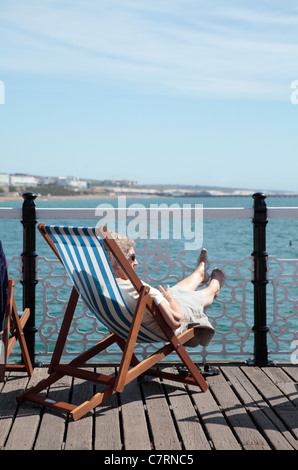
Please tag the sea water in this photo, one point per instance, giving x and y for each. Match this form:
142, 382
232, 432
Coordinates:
225, 239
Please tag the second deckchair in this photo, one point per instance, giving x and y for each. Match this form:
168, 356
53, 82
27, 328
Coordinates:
13, 332
11, 325
82, 251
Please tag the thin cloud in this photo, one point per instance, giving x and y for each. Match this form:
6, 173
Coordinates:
187, 47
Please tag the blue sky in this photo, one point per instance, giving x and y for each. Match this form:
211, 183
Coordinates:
158, 91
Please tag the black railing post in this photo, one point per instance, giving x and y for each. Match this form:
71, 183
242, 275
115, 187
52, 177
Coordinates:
29, 278
260, 281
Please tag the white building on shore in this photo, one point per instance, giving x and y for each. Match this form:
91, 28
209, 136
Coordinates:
4, 180
19, 180
72, 182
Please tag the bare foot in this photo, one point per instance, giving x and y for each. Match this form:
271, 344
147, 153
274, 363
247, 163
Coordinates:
202, 265
218, 279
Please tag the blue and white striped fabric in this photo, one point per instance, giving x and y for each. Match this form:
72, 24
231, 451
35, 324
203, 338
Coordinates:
87, 264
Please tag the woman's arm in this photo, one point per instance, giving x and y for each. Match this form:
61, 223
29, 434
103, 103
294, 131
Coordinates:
170, 310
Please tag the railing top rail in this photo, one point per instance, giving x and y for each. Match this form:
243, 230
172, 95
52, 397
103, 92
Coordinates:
146, 212
10, 213
282, 212
130, 212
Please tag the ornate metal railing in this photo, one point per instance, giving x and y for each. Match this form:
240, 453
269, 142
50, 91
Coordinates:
231, 315
282, 305
260, 290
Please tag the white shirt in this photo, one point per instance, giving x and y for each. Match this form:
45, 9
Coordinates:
131, 297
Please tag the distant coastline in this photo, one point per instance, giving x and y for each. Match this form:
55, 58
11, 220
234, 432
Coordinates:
140, 194
12, 186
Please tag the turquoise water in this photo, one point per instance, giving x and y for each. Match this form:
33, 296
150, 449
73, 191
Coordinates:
225, 239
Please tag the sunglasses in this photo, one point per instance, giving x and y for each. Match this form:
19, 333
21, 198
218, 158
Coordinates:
132, 257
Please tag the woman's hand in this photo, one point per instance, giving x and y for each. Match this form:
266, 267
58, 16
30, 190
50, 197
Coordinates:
166, 293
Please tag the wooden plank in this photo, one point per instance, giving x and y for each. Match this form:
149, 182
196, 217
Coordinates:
53, 419
292, 371
107, 432
265, 419
281, 379
161, 423
236, 414
79, 433
217, 427
13, 386
135, 432
242, 404
25, 425
187, 421
286, 411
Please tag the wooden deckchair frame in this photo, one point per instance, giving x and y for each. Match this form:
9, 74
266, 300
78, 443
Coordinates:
9, 339
125, 373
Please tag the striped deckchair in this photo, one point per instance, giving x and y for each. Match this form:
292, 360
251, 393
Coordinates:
82, 252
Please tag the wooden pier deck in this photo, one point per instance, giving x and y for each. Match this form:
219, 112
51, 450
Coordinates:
245, 408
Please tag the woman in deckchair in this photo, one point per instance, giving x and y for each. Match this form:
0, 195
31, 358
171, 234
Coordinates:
182, 306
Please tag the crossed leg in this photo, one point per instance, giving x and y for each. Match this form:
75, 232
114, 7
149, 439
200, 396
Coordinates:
200, 276
212, 291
